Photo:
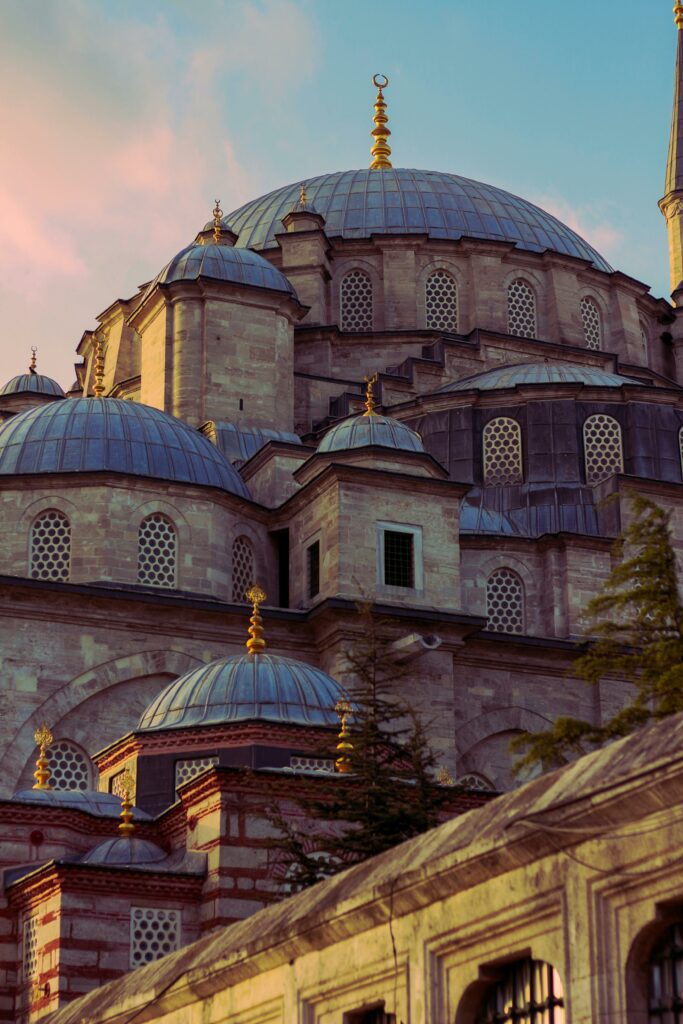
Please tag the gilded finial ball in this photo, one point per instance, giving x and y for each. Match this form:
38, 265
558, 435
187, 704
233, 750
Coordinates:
255, 594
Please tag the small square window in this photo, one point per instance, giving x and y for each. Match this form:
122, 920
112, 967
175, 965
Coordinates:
399, 563
313, 569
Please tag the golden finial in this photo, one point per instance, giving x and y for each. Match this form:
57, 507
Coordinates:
381, 151
303, 198
256, 643
126, 826
678, 15
98, 386
33, 366
370, 395
44, 739
217, 214
344, 748
444, 777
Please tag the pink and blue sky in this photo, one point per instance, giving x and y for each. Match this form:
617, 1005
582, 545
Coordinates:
121, 121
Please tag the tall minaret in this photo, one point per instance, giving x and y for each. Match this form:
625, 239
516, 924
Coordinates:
672, 203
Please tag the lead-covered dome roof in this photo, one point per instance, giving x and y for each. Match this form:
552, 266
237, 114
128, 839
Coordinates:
222, 263
539, 373
32, 383
247, 687
124, 851
362, 431
103, 805
357, 204
88, 434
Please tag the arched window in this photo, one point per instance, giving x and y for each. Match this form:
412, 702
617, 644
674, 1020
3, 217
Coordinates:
441, 302
644, 339
50, 547
602, 448
665, 968
157, 551
355, 301
521, 310
592, 326
70, 767
528, 992
502, 447
242, 568
505, 602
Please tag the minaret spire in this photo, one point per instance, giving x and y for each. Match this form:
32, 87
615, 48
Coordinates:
381, 150
672, 203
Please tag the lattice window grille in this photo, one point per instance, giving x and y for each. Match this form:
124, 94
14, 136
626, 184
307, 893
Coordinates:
529, 992
602, 447
502, 444
441, 301
242, 568
311, 764
30, 948
592, 328
70, 768
505, 602
355, 301
475, 782
157, 551
188, 769
154, 932
117, 783
521, 310
50, 553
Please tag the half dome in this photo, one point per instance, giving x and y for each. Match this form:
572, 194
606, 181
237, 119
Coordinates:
32, 383
539, 373
89, 434
222, 263
358, 204
362, 431
103, 805
249, 687
124, 851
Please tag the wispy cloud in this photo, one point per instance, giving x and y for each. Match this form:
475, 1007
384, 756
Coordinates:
589, 222
123, 128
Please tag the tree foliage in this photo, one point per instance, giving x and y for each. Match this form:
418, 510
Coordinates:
391, 792
635, 631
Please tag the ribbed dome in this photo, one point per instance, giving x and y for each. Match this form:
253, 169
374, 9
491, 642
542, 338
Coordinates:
124, 850
33, 383
247, 687
361, 431
104, 805
87, 434
222, 263
539, 373
357, 204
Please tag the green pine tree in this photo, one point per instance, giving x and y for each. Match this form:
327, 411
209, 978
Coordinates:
390, 792
635, 631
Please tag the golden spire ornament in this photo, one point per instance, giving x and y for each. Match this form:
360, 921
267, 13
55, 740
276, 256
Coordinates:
256, 643
381, 150
678, 15
370, 395
126, 826
44, 738
344, 747
98, 385
303, 198
33, 367
217, 214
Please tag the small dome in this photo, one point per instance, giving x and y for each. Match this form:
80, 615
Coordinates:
88, 434
400, 201
247, 687
32, 383
222, 263
539, 373
124, 850
362, 431
103, 805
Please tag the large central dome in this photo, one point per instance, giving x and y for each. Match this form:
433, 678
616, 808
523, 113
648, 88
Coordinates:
357, 204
